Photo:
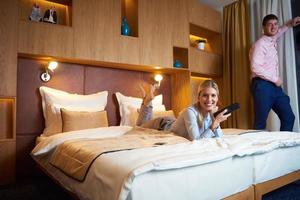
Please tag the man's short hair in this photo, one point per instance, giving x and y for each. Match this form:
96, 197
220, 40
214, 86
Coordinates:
269, 17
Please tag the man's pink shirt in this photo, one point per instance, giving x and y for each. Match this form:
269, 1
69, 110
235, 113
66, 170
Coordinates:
264, 57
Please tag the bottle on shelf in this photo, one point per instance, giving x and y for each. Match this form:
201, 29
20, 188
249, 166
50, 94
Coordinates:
125, 28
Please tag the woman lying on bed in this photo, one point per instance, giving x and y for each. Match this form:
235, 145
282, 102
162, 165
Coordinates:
194, 122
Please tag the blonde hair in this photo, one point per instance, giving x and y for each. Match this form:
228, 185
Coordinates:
208, 84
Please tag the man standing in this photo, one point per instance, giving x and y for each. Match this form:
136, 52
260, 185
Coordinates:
266, 83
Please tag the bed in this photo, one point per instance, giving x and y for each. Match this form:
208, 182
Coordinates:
231, 169
206, 173
283, 168
283, 163
177, 174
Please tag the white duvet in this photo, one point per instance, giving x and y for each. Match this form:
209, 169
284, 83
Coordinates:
125, 166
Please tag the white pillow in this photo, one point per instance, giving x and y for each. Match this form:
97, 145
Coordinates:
131, 114
129, 106
53, 100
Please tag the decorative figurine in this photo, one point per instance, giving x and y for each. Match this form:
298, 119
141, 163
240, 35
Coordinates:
50, 16
35, 13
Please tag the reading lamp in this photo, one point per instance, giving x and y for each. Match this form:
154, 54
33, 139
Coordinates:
45, 76
158, 78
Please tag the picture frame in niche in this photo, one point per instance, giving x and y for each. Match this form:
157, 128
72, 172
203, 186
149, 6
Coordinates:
50, 16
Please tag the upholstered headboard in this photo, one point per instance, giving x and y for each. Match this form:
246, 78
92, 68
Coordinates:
73, 78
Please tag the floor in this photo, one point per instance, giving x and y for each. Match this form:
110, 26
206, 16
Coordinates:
44, 188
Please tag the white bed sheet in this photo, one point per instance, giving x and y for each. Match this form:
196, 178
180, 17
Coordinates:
214, 180
280, 162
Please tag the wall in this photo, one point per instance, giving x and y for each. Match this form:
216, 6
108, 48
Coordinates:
92, 35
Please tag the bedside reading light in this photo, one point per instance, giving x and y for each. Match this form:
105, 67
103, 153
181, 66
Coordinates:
158, 78
45, 76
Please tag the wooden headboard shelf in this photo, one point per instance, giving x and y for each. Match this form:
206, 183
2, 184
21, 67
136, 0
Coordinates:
95, 63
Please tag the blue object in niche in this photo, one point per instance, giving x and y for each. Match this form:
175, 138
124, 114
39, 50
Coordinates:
177, 64
125, 28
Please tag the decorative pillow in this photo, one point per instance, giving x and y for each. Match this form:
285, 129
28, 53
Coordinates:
128, 107
53, 100
130, 114
78, 120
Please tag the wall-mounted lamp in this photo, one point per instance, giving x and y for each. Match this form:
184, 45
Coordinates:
158, 78
45, 76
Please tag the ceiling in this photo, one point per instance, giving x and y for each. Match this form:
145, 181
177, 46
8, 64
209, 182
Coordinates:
216, 4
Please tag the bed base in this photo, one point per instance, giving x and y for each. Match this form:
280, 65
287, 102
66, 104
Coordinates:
268, 186
247, 194
71, 194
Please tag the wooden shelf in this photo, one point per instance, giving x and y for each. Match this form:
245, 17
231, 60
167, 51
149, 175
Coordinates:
63, 9
181, 54
7, 117
129, 10
206, 63
214, 39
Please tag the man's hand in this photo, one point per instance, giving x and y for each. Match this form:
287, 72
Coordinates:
296, 21
278, 83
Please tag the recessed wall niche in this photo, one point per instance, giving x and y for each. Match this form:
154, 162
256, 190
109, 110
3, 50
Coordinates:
7, 117
63, 10
129, 11
181, 54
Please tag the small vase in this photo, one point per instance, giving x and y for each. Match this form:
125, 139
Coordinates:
125, 29
177, 64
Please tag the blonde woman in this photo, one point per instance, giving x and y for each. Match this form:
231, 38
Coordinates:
194, 122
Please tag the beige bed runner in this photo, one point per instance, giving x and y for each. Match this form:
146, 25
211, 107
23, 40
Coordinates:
76, 156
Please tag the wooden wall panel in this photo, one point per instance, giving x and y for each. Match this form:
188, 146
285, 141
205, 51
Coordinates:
181, 91
129, 50
45, 39
204, 16
97, 27
8, 47
155, 33
204, 62
178, 11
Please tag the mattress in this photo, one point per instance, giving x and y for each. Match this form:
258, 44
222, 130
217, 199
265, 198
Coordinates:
214, 180
280, 162
206, 169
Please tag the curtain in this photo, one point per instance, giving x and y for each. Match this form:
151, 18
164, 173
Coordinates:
236, 67
286, 51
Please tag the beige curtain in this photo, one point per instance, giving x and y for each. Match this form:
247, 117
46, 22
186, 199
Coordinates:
236, 68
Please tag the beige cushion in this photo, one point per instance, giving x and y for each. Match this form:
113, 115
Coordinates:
78, 120
53, 100
53, 123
